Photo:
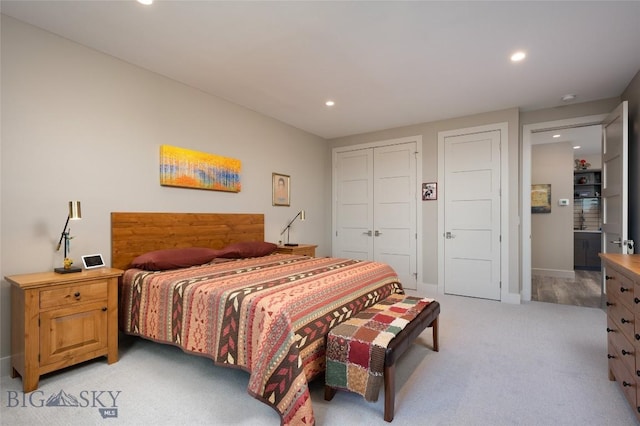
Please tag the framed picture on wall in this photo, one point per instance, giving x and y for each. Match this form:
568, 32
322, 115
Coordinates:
429, 191
541, 198
281, 185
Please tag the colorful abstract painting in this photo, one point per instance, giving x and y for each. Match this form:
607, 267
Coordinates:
192, 169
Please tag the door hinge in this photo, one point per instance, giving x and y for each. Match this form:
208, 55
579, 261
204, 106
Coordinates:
500, 285
415, 274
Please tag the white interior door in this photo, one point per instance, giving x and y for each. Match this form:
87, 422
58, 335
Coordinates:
395, 195
472, 215
353, 176
615, 143
376, 207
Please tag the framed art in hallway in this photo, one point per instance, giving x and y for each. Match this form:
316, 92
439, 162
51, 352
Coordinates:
541, 198
281, 189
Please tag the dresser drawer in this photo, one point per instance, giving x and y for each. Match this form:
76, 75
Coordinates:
623, 317
620, 345
73, 294
625, 378
620, 287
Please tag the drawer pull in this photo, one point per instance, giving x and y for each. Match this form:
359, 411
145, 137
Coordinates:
624, 321
626, 353
611, 330
610, 304
104, 309
637, 336
622, 289
610, 356
626, 384
608, 277
638, 373
76, 294
635, 299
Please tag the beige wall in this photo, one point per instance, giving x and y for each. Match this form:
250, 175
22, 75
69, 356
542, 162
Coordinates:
552, 233
81, 125
429, 133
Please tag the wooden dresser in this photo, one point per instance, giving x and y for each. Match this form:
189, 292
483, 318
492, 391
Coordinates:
58, 320
623, 323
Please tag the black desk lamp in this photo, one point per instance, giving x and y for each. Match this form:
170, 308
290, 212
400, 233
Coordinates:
302, 217
74, 214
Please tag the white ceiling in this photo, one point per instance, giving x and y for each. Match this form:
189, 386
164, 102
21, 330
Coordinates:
588, 138
385, 63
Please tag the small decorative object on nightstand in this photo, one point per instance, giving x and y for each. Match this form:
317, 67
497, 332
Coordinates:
58, 320
300, 249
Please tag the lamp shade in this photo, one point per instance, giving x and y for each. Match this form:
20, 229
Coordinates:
302, 215
75, 212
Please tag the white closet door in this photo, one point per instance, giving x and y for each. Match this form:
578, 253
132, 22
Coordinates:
375, 207
395, 196
354, 205
472, 215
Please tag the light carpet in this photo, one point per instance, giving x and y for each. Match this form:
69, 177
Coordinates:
499, 364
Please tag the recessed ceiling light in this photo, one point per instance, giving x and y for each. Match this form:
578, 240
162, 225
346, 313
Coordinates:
145, 2
577, 147
569, 97
329, 103
556, 136
518, 56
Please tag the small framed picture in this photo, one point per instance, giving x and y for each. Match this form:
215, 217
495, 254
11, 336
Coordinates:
281, 189
541, 198
429, 191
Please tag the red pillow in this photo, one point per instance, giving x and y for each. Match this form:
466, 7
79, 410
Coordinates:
247, 249
161, 260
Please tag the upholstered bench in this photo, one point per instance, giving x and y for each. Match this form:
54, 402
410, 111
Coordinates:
362, 351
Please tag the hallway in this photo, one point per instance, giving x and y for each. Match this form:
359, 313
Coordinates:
583, 291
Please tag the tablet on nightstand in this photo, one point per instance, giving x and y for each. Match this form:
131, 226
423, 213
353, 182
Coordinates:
91, 261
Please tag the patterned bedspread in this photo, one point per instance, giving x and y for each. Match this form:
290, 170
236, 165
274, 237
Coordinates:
267, 315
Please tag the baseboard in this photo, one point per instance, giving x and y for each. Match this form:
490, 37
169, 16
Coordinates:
430, 290
5, 366
513, 298
557, 273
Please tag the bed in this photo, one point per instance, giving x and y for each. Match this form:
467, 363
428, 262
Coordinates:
248, 307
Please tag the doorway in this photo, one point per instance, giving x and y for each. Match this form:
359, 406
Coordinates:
528, 136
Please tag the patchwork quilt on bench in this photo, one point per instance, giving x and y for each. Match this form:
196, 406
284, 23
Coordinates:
356, 348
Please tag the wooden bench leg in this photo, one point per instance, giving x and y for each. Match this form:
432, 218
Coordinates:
329, 393
389, 391
434, 325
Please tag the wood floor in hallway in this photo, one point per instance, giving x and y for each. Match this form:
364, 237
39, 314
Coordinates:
584, 290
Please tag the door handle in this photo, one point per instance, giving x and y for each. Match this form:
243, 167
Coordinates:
369, 233
449, 235
617, 242
377, 233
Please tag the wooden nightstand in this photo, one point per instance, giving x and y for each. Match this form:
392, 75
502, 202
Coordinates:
58, 320
302, 250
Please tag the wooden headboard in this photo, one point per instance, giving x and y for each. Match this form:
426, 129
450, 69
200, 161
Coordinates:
133, 234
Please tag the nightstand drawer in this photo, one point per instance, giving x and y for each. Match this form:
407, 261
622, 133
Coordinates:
300, 250
73, 294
